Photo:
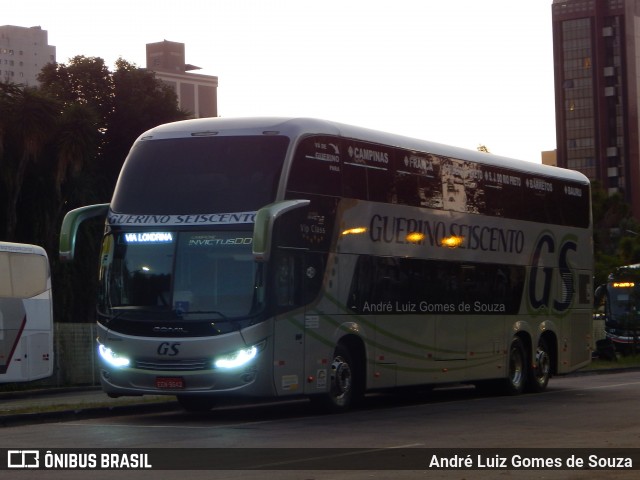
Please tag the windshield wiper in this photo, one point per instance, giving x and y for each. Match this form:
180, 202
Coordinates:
180, 313
236, 324
121, 310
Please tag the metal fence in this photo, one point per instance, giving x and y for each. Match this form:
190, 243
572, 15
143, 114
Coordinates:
75, 355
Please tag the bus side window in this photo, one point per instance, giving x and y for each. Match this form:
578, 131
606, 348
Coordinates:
354, 179
380, 185
405, 190
375, 280
360, 291
297, 278
23, 276
316, 167
287, 281
313, 276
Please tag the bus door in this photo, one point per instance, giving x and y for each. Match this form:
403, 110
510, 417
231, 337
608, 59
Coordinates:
288, 336
297, 280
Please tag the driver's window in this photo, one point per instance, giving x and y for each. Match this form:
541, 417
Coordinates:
286, 280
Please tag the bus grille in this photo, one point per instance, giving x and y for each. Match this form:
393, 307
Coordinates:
175, 365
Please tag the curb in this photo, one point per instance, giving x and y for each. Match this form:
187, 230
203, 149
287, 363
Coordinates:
604, 371
16, 419
17, 394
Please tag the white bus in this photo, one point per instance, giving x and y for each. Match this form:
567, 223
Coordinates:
26, 316
280, 257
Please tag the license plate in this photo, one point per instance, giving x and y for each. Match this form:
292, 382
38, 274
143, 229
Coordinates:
170, 383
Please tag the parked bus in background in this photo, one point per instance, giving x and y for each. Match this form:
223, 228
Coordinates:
26, 315
620, 297
282, 257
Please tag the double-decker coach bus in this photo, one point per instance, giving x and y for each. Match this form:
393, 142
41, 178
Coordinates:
26, 316
280, 257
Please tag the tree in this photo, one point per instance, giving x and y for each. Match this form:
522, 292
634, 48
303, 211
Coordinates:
77, 141
84, 80
62, 146
102, 114
126, 103
8, 93
140, 102
616, 235
85, 87
32, 121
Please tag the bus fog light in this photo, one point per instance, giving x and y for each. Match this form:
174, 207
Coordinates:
112, 358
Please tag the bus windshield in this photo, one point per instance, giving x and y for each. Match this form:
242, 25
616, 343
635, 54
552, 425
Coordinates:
200, 175
186, 275
624, 299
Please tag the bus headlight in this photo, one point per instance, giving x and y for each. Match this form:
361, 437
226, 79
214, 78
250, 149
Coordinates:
238, 358
112, 358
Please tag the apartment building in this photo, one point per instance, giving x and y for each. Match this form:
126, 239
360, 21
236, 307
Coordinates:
23, 53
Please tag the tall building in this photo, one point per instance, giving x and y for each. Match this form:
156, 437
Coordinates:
197, 94
23, 53
596, 48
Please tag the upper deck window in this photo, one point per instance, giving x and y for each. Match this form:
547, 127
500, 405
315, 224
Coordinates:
316, 166
343, 167
200, 175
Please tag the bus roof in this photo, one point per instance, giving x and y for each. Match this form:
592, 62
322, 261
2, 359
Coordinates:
626, 269
299, 126
22, 248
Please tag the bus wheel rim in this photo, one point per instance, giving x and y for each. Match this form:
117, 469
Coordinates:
341, 377
543, 366
516, 369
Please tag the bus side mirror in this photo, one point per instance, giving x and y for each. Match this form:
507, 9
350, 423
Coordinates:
263, 226
70, 224
598, 297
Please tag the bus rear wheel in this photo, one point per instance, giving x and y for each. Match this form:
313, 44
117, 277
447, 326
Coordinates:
516, 380
540, 373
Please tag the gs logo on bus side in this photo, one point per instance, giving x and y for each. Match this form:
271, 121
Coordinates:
551, 281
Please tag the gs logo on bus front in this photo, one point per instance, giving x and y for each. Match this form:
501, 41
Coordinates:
551, 280
169, 349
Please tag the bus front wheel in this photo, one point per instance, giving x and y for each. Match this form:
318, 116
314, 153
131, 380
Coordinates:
341, 383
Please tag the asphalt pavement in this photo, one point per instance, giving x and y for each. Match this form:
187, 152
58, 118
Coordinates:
52, 404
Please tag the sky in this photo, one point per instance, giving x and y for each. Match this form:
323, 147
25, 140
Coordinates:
458, 72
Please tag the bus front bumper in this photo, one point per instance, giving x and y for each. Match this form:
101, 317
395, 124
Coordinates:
249, 376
